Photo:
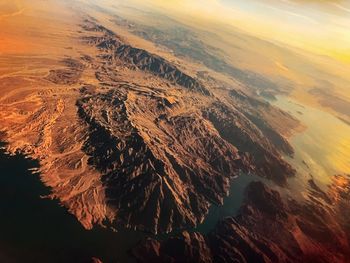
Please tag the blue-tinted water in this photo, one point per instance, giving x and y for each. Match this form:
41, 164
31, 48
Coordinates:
231, 204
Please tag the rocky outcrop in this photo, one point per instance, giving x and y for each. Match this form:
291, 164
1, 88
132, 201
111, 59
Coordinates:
267, 229
146, 61
240, 131
156, 183
125, 136
141, 59
264, 116
69, 75
166, 149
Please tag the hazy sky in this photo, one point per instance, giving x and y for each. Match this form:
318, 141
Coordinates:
322, 26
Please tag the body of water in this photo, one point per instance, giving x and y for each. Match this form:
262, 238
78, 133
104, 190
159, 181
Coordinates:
231, 205
322, 149
36, 229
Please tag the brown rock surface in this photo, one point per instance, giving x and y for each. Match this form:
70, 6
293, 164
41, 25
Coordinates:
162, 156
125, 135
268, 229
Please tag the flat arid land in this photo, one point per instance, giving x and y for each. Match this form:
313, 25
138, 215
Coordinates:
150, 136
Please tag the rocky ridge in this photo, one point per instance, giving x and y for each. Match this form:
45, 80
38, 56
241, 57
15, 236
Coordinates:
267, 229
168, 149
123, 135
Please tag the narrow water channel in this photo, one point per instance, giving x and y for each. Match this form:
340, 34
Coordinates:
36, 229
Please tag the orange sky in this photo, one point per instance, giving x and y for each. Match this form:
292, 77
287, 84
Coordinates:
322, 27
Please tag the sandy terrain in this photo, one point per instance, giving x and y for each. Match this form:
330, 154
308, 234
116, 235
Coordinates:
58, 86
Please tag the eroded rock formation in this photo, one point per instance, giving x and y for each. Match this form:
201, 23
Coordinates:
125, 135
268, 228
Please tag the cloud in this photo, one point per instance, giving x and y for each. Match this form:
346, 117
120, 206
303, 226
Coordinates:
341, 7
294, 14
